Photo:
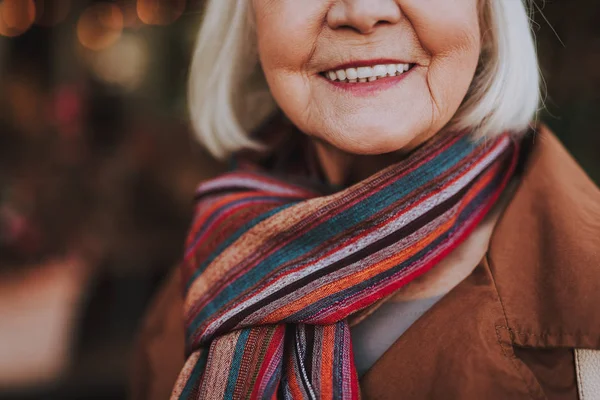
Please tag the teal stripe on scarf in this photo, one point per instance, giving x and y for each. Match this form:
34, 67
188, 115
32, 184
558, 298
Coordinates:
236, 363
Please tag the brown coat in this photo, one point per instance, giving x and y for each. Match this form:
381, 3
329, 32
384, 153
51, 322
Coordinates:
505, 332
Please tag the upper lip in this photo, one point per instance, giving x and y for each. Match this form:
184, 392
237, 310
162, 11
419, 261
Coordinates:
366, 63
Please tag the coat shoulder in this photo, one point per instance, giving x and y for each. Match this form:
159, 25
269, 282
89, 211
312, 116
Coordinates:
545, 251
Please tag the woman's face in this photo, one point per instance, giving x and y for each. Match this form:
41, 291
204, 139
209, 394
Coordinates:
370, 107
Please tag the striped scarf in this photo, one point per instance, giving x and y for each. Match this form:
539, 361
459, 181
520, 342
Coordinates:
273, 269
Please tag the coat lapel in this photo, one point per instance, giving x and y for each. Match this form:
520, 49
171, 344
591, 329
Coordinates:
545, 252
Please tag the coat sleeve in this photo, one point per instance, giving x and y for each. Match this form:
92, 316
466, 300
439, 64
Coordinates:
159, 350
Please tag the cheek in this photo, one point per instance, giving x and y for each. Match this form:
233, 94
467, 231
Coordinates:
287, 31
444, 26
449, 31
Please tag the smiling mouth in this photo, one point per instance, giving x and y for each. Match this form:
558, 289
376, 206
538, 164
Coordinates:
366, 73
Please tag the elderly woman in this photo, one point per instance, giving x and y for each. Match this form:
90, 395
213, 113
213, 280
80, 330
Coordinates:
395, 224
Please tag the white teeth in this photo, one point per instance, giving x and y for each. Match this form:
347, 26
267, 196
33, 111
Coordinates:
364, 72
402, 67
380, 70
351, 73
367, 74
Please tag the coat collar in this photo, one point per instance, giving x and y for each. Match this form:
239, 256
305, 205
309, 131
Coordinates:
545, 251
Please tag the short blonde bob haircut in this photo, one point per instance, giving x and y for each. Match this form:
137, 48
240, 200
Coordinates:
228, 96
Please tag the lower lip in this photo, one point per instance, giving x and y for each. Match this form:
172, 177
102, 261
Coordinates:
366, 88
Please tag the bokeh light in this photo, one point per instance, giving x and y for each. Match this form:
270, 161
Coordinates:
160, 12
16, 16
100, 26
124, 64
51, 12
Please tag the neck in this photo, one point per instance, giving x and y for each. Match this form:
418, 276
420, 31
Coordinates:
344, 169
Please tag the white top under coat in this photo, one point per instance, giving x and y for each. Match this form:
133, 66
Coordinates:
378, 332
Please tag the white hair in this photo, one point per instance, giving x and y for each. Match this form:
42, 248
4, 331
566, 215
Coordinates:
228, 95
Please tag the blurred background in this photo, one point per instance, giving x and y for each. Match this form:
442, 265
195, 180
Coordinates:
98, 168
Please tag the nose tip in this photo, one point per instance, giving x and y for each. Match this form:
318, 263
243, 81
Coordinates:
363, 16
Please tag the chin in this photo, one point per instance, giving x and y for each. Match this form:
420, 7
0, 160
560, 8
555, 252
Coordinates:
369, 141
